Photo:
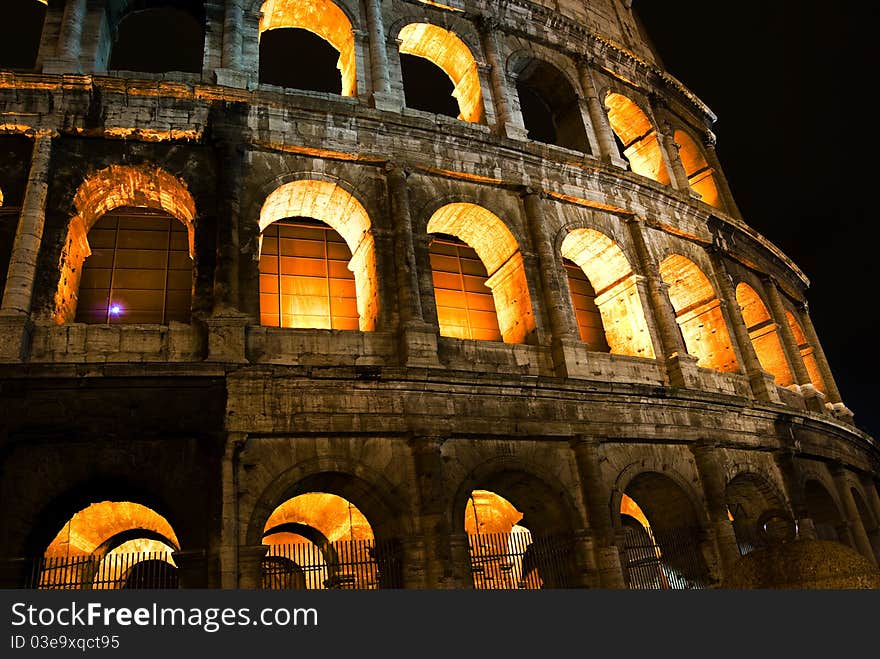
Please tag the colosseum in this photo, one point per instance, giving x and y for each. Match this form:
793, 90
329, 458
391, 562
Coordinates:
433, 294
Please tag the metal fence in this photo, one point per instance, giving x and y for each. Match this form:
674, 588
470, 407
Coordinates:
501, 561
345, 564
135, 570
663, 560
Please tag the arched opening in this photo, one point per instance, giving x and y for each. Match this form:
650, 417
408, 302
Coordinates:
486, 234
662, 535
641, 146
20, 37
151, 251
605, 296
824, 512
752, 504
701, 177
110, 545
16, 152
304, 277
549, 106
439, 72
139, 270
869, 522
159, 36
698, 313
806, 351
286, 51
763, 334
322, 231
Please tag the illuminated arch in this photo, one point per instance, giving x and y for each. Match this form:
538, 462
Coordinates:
487, 234
807, 352
617, 296
762, 332
701, 177
329, 203
114, 187
641, 146
449, 52
698, 313
325, 19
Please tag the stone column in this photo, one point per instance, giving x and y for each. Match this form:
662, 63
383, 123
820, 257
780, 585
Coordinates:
712, 478
608, 151
383, 98
831, 390
439, 567
811, 395
586, 451
678, 176
508, 122
680, 366
69, 46
719, 177
191, 568
873, 504
232, 24
854, 518
228, 552
250, 566
760, 381
791, 478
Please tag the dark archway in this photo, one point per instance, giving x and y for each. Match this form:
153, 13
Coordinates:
750, 500
550, 109
20, 32
160, 36
297, 58
824, 512
427, 87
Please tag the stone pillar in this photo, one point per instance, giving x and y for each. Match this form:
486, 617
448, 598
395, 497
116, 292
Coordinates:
228, 554
586, 451
760, 381
382, 97
681, 367
608, 151
232, 24
17, 573
678, 176
854, 517
712, 478
831, 390
508, 122
719, 177
791, 478
250, 566
873, 504
811, 395
192, 568
439, 566
69, 46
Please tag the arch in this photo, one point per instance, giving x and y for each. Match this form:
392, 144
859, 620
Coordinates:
641, 145
807, 352
446, 50
137, 45
824, 512
701, 177
763, 334
116, 186
748, 497
499, 252
331, 204
550, 106
324, 18
616, 293
20, 38
698, 313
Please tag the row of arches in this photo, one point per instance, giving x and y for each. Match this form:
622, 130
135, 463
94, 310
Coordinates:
129, 251
333, 530
439, 74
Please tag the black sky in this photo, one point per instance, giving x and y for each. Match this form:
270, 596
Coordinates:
790, 82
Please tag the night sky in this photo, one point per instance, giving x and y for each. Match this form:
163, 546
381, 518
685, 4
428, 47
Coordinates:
796, 137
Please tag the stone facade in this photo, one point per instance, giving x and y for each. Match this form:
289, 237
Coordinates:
216, 422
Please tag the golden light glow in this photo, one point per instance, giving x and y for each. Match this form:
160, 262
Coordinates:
488, 512
498, 250
326, 20
631, 508
806, 351
334, 517
90, 528
762, 331
116, 186
617, 296
331, 204
698, 312
448, 52
701, 178
640, 144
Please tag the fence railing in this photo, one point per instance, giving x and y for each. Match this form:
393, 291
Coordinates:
501, 561
133, 570
345, 564
662, 560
